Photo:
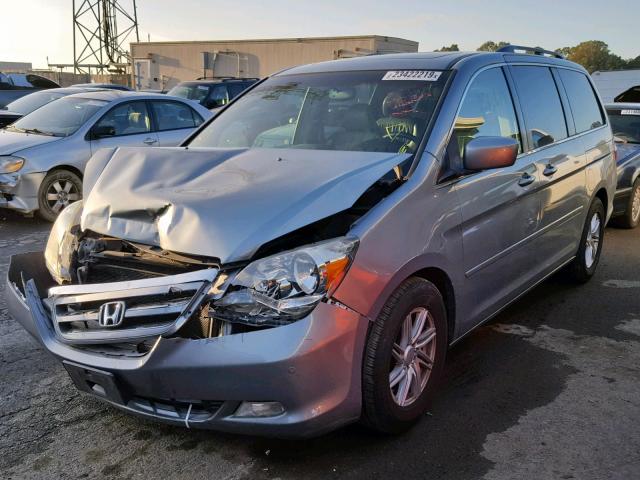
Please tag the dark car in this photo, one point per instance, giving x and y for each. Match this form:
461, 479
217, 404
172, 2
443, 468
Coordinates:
112, 86
625, 123
212, 93
632, 95
16, 85
27, 104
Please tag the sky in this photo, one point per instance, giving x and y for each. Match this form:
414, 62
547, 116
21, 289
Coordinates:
34, 30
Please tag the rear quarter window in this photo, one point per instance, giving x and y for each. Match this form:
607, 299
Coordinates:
584, 105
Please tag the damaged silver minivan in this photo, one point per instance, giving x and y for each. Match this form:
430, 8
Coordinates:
305, 259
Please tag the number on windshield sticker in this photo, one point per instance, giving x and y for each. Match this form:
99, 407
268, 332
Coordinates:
424, 75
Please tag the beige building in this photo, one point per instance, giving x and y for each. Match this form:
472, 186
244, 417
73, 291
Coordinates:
161, 65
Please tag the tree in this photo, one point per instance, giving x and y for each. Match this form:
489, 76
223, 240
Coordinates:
492, 46
451, 48
633, 62
594, 55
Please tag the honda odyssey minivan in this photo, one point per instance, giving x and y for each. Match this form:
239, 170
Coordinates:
305, 259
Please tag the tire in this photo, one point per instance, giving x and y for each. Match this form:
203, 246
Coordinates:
383, 410
58, 189
631, 217
584, 266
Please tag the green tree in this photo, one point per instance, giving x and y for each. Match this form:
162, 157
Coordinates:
491, 46
451, 48
594, 55
633, 62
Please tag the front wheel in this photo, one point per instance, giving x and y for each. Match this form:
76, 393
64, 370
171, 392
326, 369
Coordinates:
404, 356
58, 189
583, 267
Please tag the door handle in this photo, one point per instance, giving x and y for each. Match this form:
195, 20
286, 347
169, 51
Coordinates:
149, 141
526, 179
549, 170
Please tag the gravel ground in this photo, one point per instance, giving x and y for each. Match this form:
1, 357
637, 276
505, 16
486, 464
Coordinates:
549, 389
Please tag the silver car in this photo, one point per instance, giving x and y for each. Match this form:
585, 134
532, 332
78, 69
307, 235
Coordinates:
307, 257
43, 155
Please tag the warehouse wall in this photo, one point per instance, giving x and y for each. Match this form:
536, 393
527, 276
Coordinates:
173, 62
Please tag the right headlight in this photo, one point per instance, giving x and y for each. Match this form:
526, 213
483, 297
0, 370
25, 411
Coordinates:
10, 164
62, 243
279, 289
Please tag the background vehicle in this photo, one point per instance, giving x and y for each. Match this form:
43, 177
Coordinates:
213, 93
27, 104
625, 123
16, 85
43, 155
631, 95
328, 236
111, 86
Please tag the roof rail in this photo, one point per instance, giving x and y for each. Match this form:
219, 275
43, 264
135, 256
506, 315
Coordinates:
239, 79
529, 50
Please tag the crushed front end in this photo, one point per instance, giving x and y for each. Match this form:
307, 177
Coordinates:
185, 340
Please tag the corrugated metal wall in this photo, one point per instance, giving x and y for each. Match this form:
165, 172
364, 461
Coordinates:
173, 62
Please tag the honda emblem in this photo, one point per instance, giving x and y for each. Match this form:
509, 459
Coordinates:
111, 314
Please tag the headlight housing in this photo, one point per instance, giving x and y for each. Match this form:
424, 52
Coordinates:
10, 164
282, 288
62, 243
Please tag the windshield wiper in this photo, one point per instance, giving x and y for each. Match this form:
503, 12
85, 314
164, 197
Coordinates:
37, 132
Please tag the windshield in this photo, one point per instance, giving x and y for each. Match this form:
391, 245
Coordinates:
625, 124
61, 118
372, 111
190, 91
29, 103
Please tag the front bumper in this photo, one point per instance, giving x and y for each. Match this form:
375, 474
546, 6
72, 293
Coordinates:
312, 367
19, 192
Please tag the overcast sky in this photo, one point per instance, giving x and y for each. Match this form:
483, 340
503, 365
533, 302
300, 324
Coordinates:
32, 30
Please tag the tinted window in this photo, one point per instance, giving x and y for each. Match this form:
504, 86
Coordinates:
218, 96
541, 105
625, 124
174, 115
584, 105
486, 111
192, 91
128, 119
236, 89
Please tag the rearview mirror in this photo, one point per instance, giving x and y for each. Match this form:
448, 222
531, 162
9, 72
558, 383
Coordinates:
484, 153
101, 131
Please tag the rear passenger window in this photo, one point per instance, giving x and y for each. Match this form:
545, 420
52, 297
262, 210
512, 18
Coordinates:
174, 115
541, 105
582, 99
486, 111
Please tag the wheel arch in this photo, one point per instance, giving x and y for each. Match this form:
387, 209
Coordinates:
444, 285
69, 168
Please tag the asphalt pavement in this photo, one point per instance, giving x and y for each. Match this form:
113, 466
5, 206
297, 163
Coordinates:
550, 389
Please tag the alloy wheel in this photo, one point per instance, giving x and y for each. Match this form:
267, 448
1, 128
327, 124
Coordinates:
61, 193
593, 240
635, 206
413, 356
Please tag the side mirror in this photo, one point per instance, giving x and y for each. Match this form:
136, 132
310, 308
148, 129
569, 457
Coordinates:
484, 153
101, 131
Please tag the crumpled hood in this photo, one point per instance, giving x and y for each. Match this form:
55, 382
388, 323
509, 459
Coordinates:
13, 142
223, 203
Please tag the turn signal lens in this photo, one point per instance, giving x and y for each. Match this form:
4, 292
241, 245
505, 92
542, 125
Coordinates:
10, 164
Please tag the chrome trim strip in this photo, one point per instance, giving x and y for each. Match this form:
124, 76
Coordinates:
133, 312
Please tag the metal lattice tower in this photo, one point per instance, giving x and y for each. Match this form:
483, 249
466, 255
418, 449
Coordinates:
101, 32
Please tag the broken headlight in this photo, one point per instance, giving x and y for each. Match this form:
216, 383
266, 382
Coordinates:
279, 289
62, 243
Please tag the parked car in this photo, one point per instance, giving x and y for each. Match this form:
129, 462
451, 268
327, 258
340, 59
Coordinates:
27, 104
111, 86
318, 279
43, 155
632, 95
625, 123
16, 85
213, 93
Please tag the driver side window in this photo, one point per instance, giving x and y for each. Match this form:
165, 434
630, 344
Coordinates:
487, 111
127, 119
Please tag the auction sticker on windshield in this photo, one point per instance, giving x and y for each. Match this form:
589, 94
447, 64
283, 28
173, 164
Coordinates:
630, 112
426, 75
